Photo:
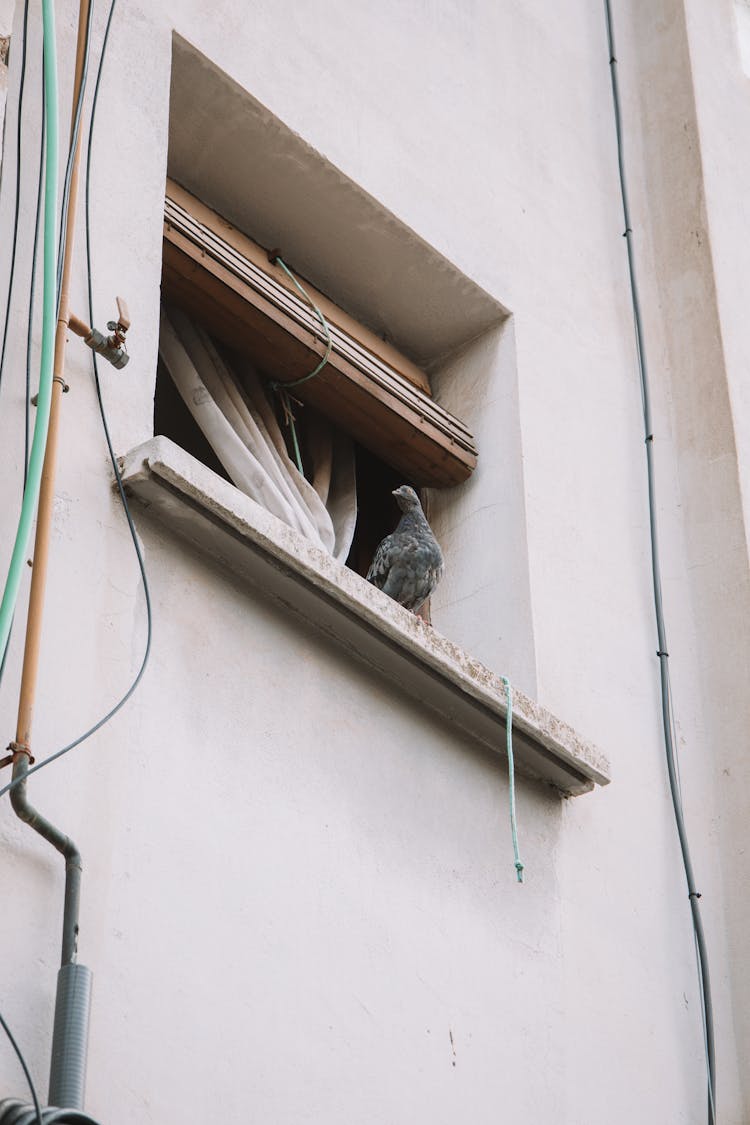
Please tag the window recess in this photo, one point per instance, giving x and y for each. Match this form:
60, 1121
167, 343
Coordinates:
367, 387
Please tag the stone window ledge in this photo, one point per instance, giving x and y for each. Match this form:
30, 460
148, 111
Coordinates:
185, 496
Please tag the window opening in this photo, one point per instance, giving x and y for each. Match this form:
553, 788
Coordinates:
217, 278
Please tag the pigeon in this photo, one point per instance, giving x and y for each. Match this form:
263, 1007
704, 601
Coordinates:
408, 564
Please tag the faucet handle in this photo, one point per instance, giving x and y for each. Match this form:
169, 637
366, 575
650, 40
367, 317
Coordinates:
123, 316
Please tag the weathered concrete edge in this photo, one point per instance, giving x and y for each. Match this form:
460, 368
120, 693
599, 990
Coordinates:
164, 459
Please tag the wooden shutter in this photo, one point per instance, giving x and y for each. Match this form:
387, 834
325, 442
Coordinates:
367, 387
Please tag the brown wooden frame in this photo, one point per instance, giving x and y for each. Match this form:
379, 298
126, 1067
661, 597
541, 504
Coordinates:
367, 387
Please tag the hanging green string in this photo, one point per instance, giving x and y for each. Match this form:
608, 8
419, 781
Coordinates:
282, 389
512, 776
324, 323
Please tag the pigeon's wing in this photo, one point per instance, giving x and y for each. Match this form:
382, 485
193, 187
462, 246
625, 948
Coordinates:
382, 561
407, 566
414, 573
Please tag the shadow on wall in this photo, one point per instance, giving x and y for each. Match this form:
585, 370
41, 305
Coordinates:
484, 600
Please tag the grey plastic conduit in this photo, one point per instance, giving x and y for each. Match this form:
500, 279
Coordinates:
70, 1037
63, 844
73, 1000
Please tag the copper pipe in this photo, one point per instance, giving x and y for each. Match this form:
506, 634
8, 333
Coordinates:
46, 494
80, 327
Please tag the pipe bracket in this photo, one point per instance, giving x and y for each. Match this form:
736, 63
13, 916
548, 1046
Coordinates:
17, 748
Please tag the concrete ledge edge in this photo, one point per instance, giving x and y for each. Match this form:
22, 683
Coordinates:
161, 464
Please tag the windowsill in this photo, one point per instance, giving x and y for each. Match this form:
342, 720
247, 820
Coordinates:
240, 535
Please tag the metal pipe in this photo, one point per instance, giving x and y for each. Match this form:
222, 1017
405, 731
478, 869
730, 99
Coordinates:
80, 327
46, 494
64, 845
73, 999
70, 1040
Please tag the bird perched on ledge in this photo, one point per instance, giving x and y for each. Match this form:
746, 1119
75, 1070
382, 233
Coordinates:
409, 563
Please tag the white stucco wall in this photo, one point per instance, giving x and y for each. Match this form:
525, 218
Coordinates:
722, 96
6, 22
298, 886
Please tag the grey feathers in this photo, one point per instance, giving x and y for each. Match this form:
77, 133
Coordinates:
409, 563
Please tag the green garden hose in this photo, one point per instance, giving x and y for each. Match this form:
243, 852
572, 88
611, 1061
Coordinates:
49, 319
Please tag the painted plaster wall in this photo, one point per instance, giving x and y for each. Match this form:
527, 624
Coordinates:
3, 89
6, 22
7, 9
297, 886
720, 577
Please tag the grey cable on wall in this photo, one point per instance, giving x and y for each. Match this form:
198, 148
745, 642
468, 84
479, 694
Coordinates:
662, 652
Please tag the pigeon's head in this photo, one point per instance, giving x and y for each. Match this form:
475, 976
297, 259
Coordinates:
407, 499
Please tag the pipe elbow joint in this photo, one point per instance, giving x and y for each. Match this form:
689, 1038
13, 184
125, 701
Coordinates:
19, 801
31, 816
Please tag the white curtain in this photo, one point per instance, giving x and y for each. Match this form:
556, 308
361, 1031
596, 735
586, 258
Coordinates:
239, 423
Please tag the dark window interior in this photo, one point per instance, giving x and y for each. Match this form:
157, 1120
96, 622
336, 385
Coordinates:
172, 419
378, 512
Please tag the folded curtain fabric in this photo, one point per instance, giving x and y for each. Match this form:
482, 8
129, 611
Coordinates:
230, 406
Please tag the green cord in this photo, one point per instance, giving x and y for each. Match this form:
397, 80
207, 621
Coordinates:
282, 388
512, 776
49, 318
308, 299
290, 421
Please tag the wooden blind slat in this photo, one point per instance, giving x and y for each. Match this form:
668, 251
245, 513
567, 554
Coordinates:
224, 283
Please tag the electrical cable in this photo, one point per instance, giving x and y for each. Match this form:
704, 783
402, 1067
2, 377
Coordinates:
62, 237
29, 327
15, 1112
24, 1068
32, 286
10, 594
69, 1116
17, 202
663, 652
44, 399
40, 431
126, 508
